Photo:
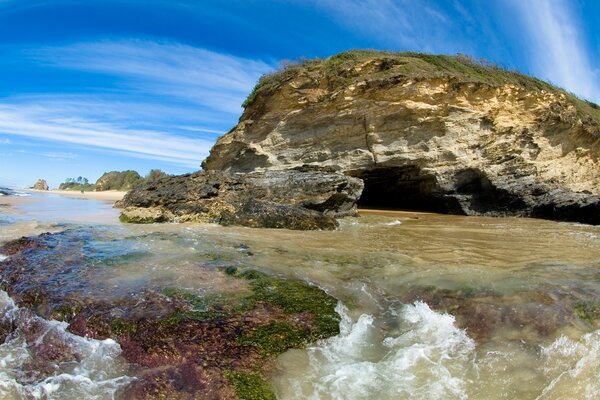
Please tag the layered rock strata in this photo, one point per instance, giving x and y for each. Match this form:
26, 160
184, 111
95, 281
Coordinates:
426, 132
294, 199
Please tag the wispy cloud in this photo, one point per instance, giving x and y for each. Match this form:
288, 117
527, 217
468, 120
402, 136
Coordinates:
165, 101
216, 81
36, 123
557, 49
400, 24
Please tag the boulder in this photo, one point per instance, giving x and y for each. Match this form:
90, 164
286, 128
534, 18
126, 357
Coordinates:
294, 199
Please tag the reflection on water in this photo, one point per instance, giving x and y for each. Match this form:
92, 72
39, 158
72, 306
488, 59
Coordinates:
516, 301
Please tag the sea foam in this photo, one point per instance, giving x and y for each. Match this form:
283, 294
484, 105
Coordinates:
572, 366
426, 361
96, 372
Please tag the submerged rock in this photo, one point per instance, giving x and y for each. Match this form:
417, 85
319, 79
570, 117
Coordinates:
183, 344
293, 199
435, 133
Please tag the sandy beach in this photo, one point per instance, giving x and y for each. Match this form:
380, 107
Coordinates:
108, 195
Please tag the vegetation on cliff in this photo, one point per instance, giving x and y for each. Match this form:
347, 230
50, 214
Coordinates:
345, 69
113, 180
79, 183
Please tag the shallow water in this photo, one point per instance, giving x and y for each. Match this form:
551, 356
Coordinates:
515, 291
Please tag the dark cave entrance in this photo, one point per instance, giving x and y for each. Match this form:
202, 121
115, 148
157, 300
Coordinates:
404, 188
410, 188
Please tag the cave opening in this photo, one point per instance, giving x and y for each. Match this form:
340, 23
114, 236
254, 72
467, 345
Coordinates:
405, 188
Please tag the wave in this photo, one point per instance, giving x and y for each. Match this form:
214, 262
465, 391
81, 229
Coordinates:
11, 192
426, 361
39, 359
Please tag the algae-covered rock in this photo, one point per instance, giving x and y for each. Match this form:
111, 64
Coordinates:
185, 344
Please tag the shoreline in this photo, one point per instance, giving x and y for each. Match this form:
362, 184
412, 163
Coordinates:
107, 195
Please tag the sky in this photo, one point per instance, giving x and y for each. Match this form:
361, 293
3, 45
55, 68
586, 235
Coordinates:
94, 86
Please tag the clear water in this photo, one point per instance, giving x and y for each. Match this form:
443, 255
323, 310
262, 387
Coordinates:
396, 341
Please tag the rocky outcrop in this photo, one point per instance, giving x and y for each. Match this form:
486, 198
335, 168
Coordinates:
40, 184
426, 132
293, 199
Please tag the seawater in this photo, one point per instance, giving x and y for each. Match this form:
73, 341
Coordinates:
388, 347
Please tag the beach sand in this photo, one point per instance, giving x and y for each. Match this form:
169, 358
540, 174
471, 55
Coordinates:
108, 195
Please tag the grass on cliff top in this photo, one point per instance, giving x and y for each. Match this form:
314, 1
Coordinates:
339, 73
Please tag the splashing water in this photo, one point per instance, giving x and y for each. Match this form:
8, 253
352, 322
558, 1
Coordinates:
425, 361
573, 366
40, 360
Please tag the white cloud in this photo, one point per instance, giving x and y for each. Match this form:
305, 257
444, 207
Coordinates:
402, 24
170, 102
40, 124
557, 49
215, 81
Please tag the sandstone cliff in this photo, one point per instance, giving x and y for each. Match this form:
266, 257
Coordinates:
40, 184
428, 132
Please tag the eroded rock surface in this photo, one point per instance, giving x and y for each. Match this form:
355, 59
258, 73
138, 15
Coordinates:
294, 199
426, 132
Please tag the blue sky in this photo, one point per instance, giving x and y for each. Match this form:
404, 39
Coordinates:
92, 86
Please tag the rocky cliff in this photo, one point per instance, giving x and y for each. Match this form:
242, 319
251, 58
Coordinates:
40, 184
425, 132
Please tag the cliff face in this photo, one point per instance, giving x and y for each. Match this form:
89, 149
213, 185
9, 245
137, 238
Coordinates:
440, 134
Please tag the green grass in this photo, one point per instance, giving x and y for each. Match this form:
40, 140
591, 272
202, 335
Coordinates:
338, 72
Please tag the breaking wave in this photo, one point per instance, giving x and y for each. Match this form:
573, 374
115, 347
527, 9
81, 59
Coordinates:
426, 361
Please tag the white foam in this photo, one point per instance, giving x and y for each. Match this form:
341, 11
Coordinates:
396, 222
572, 366
426, 361
97, 374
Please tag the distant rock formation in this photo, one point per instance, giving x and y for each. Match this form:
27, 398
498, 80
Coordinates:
436, 133
40, 184
117, 180
293, 199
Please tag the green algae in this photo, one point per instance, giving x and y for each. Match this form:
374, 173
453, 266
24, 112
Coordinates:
587, 310
128, 219
249, 386
122, 327
276, 337
294, 298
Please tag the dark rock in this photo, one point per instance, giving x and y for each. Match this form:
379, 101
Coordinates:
291, 199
